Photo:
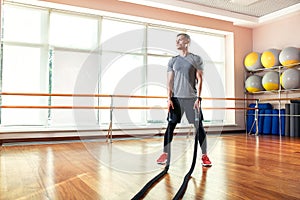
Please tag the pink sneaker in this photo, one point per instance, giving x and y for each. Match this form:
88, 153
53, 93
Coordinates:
162, 159
205, 161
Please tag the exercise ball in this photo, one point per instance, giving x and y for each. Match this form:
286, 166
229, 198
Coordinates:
289, 56
270, 81
253, 84
290, 79
252, 61
270, 58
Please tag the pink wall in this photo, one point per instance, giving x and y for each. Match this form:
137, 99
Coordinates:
279, 34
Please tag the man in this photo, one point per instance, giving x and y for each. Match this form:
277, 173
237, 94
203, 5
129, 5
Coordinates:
184, 85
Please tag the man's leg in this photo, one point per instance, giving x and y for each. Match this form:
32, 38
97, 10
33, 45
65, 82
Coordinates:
202, 137
174, 117
168, 137
203, 144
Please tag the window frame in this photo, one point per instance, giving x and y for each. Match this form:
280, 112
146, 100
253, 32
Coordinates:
153, 24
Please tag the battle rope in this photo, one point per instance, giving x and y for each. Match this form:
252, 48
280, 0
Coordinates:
157, 178
186, 179
148, 186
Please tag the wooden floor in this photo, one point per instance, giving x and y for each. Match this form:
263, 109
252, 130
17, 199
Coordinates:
244, 167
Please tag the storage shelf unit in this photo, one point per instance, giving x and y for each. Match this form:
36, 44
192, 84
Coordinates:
277, 98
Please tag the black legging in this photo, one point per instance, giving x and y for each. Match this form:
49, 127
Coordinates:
168, 137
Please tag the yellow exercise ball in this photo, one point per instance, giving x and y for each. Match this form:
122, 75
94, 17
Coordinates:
254, 84
289, 56
252, 61
270, 58
270, 81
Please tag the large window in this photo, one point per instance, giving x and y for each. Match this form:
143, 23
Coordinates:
212, 49
72, 38
122, 68
24, 65
50, 51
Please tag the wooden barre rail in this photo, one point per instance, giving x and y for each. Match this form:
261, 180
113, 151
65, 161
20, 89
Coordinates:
116, 107
280, 99
112, 96
76, 95
111, 108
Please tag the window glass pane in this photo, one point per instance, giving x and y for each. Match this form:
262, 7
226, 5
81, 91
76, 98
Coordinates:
23, 24
211, 49
66, 79
161, 41
157, 86
122, 36
218, 72
73, 31
22, 73
212, 45
124, 75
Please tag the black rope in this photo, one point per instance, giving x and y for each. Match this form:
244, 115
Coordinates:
157, 178
186, 179
153, 181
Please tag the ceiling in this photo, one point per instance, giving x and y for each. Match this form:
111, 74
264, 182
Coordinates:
249, 13
255, 8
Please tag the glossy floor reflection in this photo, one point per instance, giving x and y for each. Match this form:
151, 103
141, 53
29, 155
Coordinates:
244, 167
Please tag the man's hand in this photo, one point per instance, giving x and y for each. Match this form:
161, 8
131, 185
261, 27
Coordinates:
197, 104
170, 105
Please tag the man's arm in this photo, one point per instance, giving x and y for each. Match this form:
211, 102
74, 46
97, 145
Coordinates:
199, 77
170, 82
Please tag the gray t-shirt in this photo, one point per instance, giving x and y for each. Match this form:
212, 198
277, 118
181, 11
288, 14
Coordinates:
185, 69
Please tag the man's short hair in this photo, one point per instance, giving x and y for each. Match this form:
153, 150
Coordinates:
185, 35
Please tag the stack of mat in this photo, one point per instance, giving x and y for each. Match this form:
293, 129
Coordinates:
268, 120
292, 118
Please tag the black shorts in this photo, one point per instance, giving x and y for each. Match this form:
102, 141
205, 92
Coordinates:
181, 106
